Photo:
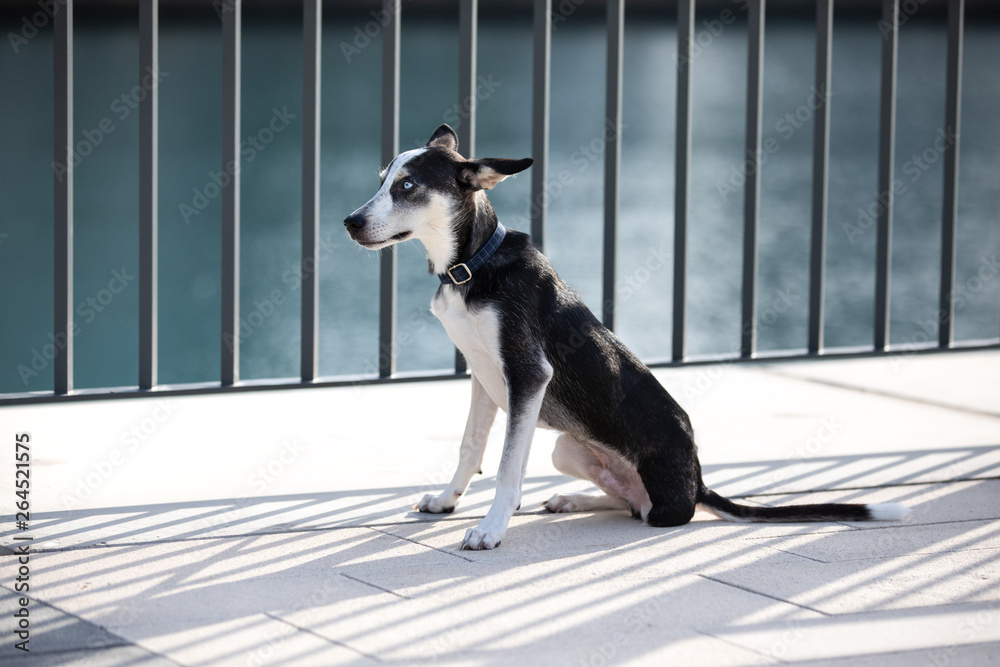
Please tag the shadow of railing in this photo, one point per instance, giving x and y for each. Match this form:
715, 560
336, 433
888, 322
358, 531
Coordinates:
392, 505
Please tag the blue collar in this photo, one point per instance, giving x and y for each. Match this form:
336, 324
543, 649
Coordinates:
462, 272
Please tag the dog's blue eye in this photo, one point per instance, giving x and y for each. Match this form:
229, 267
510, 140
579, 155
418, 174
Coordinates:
407, 185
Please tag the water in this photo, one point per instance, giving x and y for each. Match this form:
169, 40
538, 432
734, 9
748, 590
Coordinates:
106, 192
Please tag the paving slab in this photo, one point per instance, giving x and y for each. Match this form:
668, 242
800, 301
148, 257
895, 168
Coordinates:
201, 580
858, 635
277, 528
966, 654
57, 637
238, 449
889, 541
955, 380
255, 639
852, 586
554, 612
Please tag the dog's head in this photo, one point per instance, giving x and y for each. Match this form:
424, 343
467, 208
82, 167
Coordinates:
423, 191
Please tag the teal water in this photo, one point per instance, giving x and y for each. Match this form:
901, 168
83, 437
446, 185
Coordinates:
106, 188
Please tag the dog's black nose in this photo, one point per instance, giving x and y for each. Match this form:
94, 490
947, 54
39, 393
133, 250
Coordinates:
354, 222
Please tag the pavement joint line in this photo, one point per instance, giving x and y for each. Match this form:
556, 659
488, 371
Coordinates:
766, 595
792, 553
899, 525
882, 392
906, 555
326, 639
763, 654
368, 583
428, 546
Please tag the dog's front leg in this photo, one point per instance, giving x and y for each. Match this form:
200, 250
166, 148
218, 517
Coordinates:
526, 384
482, 414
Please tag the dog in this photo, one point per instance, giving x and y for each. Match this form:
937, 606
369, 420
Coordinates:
535, 351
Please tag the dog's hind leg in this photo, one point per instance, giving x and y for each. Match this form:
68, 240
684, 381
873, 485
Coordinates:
672, 484
613, 475
482, 413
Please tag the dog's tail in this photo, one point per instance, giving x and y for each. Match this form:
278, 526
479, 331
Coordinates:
727, 509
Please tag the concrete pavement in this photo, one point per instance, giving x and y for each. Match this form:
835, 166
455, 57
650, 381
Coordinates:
274, 528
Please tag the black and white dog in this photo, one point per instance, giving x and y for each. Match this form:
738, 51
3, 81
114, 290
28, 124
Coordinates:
536, 352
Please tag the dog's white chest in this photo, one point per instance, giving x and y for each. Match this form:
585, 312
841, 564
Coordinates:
477, 335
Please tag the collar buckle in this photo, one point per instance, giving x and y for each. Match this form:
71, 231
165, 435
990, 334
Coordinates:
461, 273
466, 277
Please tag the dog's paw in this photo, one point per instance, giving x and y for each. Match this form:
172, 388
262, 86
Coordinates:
436, 504
477, 539
561, 503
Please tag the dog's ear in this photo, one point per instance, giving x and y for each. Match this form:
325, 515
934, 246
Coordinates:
444, 137
486, 172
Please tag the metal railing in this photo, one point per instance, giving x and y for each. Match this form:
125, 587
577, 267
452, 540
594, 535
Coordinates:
231, 14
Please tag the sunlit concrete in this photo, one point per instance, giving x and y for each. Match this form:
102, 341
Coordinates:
274, 528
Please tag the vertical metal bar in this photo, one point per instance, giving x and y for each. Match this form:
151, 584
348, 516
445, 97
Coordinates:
312, 26
149, 72
952, 129
540, 120
751, 196
232, 14
390, 148
612, 153
886, 168
468, 39
63, 168
821, 161
682, 161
